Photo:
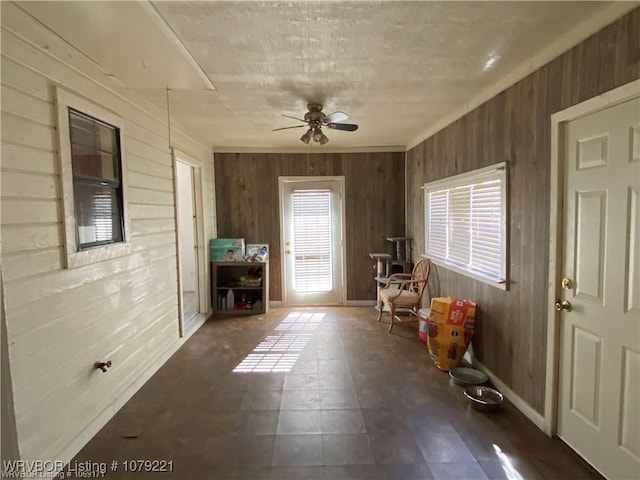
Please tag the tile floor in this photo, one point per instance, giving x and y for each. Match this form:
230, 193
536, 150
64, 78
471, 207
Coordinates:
319, 394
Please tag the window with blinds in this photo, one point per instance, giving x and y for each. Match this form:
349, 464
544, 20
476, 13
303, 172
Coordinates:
465, 223
97, 180
312, 241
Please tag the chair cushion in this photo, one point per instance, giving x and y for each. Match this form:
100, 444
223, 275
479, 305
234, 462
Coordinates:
406, 299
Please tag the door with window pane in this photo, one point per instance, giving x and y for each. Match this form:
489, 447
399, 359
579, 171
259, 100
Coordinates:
312, 241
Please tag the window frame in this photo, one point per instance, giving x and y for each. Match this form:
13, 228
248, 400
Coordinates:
113, 184
76, 257
496, 171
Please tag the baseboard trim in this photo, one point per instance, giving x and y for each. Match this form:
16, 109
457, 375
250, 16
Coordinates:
348, 303
360, 303
72, 449
198, 321
536, 417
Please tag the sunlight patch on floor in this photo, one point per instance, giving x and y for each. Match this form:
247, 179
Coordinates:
301, 321
276, 352
287, 342
267, 362
509, 470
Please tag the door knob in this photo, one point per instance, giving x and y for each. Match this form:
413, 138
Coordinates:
567, 283
288, 252
564, 305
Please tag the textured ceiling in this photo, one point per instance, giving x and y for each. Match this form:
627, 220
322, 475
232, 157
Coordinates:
394, 67
397, 68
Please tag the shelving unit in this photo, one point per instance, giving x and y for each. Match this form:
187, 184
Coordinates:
249, 282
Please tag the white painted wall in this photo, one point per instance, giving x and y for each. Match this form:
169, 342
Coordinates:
60, 321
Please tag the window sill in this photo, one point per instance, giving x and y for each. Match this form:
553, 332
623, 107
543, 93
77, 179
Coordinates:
98, 254
466, 273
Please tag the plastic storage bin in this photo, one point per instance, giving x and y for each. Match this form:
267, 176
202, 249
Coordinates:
423, 323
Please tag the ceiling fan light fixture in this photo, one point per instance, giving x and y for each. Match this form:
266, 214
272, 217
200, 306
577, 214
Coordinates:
306, 138
315, 119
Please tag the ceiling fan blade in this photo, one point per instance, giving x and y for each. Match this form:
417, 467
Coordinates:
286, 128
348, 127
295, 118
335, 117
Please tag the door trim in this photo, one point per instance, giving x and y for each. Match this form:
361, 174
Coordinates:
203, 295
608, 99
10, 449
282, 181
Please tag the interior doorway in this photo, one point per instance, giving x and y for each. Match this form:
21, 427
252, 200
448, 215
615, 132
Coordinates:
595, 286
188, 261
312, 240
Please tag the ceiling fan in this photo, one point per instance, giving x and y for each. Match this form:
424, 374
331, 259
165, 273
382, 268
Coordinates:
315, 119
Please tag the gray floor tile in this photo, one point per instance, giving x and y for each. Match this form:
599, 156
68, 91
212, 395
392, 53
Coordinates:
339, 399
305, 381
333, 366
444, 447
342, 421
457, 471
301, 400
257, 422
296, 422
378, 472
261, 400
305, 366
297, 451
346, 449
384, 422
395, 449
335, 381
297, 473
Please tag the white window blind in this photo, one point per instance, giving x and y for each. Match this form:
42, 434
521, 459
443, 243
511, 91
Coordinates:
103, 215
465, 223
95, 222
312, 240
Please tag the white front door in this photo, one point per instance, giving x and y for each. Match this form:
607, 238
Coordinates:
599, 391
312, 240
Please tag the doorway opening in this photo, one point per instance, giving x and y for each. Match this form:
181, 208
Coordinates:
188, 223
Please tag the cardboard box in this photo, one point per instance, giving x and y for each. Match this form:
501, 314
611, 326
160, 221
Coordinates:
258, 252
226, 249
225, 254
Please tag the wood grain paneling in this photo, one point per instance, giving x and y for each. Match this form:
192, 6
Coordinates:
248, 205
514, 127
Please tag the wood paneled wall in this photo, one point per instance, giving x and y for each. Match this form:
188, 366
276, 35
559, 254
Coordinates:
514, 127
248, 205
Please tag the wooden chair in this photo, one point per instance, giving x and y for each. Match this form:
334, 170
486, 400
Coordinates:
404, 290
